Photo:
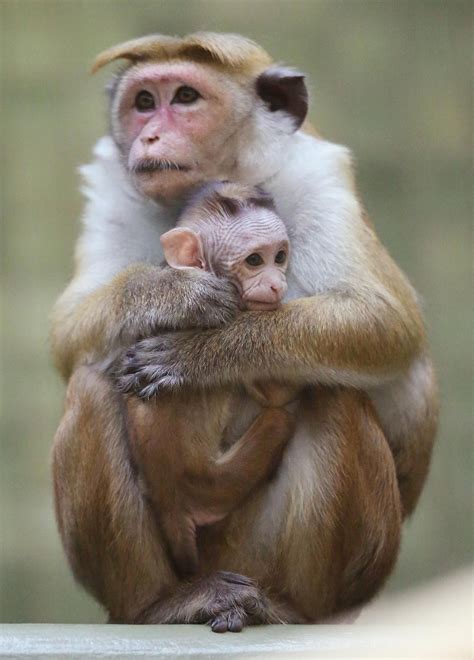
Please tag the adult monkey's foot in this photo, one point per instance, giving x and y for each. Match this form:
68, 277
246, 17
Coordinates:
225, 601
238, 602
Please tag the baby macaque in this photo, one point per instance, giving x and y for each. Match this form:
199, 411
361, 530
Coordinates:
232, 231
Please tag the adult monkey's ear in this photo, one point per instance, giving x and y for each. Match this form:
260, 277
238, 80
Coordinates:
183, 248
284, 89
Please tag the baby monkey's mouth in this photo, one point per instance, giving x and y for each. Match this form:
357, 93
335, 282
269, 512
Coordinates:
147, 165
261, 305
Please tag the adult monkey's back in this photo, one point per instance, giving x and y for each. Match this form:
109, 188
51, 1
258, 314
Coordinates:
324, 534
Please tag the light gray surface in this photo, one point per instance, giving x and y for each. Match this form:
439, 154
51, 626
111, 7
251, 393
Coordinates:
336, 641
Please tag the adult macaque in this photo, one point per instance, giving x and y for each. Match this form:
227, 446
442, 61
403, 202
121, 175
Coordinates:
323, 536
232, 231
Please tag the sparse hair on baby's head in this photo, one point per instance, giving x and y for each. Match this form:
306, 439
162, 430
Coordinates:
227, 198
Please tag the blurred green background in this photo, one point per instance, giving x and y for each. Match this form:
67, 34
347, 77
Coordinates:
389, 79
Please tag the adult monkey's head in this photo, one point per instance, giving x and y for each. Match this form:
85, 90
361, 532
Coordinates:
207, 106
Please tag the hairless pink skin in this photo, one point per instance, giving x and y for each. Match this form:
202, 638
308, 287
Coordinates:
250, 247
174, 134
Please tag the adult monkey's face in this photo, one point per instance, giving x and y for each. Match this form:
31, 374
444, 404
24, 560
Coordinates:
200, 108
175, 124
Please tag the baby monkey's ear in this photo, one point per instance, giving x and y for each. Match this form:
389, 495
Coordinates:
183, 248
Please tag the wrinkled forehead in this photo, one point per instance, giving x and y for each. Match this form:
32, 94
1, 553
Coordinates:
255, 227
229, 238
249, 226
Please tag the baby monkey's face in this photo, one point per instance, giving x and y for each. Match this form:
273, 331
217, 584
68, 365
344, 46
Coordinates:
259, 273
249, 247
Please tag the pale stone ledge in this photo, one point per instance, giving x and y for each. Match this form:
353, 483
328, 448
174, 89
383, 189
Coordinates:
56, 642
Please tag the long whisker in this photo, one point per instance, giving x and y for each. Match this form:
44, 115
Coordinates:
156, 165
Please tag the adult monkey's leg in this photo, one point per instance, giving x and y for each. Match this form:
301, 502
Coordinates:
342, 535
110, 536
108, 532
324, 535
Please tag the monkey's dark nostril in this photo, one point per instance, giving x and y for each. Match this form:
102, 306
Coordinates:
150, 139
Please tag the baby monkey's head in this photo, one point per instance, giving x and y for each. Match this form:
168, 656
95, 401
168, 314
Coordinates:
233, 231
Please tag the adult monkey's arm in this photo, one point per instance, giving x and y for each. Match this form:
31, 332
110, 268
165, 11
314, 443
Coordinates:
361, 335
368, 334
137, 302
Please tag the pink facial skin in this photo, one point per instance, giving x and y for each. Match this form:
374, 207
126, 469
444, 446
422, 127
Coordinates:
252, 250
171, 120
262, 287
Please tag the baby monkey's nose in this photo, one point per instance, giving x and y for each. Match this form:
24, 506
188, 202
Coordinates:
276, 289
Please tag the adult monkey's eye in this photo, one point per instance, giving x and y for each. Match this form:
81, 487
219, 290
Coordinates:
144, 101
280, 257
254, 259
185, 95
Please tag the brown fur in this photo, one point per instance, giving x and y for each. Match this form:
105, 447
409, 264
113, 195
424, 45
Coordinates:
324, 559
323, 535
233, 52
174, 442
137, 301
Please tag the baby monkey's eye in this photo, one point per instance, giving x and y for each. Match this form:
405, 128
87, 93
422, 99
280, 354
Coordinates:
280, 257
185, 95
254, 259
144, 101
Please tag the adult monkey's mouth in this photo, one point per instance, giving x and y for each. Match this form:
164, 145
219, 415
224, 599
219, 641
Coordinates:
148, 165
